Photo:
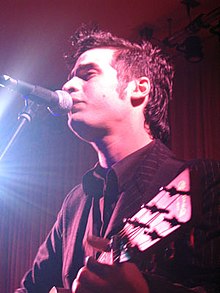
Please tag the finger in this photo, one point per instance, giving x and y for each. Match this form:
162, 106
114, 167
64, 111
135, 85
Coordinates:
79, 289
100, 244
87, 281
101, 270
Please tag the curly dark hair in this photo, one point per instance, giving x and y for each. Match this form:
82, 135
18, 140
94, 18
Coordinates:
133, 60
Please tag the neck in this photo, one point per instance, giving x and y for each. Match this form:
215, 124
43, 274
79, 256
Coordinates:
114, 148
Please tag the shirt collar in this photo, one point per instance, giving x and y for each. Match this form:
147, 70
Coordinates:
95, 180
127, 167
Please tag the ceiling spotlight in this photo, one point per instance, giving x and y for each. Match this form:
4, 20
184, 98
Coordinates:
192, 49
190, 4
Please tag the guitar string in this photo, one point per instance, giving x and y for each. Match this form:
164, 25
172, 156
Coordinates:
153, 216
147, 211
132, 232
135, 231
176, 198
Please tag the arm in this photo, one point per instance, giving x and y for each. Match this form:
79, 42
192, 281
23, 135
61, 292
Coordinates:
47, 266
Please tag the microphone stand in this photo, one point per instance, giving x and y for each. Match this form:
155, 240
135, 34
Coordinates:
24, 118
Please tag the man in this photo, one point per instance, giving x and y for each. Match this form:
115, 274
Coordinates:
120, 95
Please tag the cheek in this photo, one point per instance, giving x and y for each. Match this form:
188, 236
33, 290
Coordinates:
103, 87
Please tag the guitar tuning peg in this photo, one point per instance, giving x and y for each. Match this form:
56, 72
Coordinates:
172, 191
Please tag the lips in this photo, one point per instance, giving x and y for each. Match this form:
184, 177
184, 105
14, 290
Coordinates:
76, 104
75, 99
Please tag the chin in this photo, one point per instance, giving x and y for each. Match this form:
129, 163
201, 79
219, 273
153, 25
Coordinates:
87, 132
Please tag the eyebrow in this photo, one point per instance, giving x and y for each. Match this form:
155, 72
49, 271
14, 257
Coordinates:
84, 67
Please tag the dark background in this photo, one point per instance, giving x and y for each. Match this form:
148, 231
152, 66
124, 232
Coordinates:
47, 160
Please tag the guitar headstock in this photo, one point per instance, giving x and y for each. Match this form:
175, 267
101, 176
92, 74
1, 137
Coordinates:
161, 216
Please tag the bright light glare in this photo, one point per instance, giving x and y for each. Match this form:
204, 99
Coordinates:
6, 99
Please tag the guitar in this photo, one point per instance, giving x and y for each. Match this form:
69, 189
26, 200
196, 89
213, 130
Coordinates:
169, 210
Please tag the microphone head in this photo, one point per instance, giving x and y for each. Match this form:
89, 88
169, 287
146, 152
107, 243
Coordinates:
64, 105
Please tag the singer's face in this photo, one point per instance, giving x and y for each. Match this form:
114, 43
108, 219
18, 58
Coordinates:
98, 107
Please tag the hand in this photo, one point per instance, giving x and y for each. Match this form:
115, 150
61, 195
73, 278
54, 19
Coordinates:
96, 277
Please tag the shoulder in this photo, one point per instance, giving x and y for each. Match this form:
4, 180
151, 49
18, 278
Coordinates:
73, 200
204, 164
164, 158
205, 190
207, 171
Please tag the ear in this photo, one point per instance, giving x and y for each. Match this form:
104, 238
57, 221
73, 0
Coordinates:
140, 90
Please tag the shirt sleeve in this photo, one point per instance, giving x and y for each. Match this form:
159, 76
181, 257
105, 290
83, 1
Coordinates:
46, 270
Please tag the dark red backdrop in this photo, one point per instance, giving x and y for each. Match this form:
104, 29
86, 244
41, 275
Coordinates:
47, 161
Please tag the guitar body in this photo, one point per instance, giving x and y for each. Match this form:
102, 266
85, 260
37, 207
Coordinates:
167, 212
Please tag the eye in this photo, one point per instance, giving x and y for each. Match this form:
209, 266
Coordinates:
88, 74
87, 71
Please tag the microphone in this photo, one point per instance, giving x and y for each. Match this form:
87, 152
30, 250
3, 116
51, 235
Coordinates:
58, 102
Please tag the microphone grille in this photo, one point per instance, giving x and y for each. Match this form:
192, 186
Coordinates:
64, 105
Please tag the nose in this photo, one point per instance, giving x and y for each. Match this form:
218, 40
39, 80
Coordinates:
72, 85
